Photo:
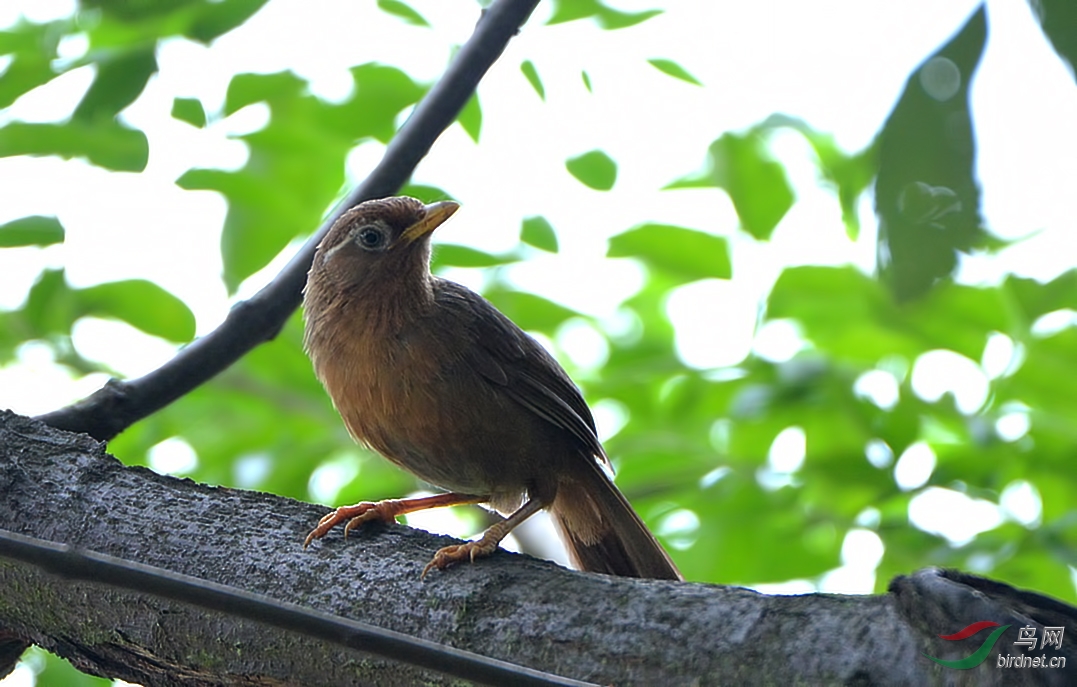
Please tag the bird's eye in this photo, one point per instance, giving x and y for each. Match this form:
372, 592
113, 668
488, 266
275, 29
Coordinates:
371, 238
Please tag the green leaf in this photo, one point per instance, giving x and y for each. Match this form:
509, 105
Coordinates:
452, 255
755, 182
1058, 19
31, 231
32, 48
528, 68
586, 81
23, 74
141, 304
189, 110
594, 169
686, 254
1044, 378
675, 70
471, 117
604, 16
53, 306
258, 224
840, 309
403, 11
295, 168
726, 550
121, 75
246, 89
50, 307
105, 143
1036, 299
381, 93
926, 195
537, 232
58, 672
851, 316
613, 19
956, 317
850, 175
213, 19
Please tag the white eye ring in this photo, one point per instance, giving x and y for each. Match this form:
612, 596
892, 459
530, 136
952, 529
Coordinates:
371, 237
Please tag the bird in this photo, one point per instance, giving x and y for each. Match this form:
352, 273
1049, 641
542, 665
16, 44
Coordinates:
433, 377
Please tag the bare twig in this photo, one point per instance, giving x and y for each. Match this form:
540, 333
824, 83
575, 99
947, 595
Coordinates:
119, 404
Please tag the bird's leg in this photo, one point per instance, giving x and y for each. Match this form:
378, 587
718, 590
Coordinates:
484, 545
386, 511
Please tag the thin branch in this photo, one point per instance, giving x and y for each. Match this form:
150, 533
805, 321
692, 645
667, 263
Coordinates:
70, 563
119, 404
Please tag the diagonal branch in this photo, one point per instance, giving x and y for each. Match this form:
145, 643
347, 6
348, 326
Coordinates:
119, 404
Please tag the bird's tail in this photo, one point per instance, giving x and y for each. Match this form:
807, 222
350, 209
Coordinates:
602, 532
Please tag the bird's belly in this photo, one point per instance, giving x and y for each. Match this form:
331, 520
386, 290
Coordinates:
445, 424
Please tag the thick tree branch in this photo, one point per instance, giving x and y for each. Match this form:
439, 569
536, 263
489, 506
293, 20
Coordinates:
65, 489
119, 404
72, 563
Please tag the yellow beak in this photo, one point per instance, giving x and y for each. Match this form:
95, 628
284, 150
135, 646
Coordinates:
436, 214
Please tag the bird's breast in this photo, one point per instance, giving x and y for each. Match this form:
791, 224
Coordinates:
407, 397
373, 382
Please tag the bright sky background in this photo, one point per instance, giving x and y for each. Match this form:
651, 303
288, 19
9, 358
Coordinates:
838, 64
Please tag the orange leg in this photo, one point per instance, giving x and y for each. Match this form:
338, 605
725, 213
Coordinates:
386, 511
484, 545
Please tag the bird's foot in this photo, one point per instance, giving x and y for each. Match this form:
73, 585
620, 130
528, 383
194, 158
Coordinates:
468, 551
484, 545
367, 511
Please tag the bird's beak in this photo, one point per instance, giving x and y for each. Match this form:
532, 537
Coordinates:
436, 214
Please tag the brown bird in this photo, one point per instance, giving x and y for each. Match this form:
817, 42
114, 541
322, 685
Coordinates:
433, 377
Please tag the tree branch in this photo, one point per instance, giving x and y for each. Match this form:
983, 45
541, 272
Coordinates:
72, 564
119, 404
64, 488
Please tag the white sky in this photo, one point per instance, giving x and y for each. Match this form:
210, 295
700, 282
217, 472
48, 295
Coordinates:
838, 64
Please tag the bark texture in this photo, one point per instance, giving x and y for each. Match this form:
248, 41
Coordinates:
65, 488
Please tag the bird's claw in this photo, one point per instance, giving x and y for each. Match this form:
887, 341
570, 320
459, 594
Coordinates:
356, 515
458, 552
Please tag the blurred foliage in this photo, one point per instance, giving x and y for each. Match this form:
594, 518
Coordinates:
537, 232
693, 451
675, 70
586, 80
404, 11
31, 231
686, 255
296, 164
53, 306
533, 78
52, 671
741, 165
848, 175
594, 169
189, 110
1058, 17
926, 195
602, 14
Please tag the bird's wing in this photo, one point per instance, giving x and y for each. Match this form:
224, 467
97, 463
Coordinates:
510, 359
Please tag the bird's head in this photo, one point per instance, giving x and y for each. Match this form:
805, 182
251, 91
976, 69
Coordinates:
379, 243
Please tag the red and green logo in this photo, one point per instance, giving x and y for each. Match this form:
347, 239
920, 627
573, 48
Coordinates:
977, 657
